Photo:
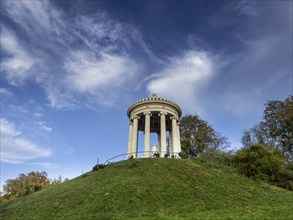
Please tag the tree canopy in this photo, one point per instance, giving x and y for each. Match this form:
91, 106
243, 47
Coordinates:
276, 129
197, 135
25, 184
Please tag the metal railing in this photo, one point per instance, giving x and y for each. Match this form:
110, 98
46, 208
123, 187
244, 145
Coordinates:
142, 154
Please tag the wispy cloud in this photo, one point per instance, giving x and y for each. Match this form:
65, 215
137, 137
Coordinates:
246, 8
18, 61
17, 149
8, 129
29, 12
87, 73
44, 165
5, 92
251, 76
44, 127
183, 78
80, 62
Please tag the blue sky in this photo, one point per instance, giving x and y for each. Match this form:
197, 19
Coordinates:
71, 69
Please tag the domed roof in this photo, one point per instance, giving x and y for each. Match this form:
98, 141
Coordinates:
154, 99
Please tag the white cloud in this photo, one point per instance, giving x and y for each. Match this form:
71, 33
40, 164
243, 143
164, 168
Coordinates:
15, 148
80, 62
46, 128
87, 73
38, 114
183, 78
42, 126
60, 98
8, 129
102, 33
19, 109
29, 12
5, 92
18, 62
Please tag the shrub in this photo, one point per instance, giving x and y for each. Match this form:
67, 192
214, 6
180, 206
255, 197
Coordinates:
220, 158
260, 162
98, 166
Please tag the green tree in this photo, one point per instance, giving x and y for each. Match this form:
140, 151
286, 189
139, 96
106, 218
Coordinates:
276, 129
256, 135
278, 120
59, 180
197, 136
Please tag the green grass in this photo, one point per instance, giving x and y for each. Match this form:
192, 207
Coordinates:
155, 189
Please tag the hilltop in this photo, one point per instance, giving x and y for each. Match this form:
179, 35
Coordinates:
155, 188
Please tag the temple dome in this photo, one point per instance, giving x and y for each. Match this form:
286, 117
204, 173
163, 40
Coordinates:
154, 100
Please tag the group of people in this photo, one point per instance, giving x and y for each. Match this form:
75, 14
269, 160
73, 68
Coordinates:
166, 155
157, 155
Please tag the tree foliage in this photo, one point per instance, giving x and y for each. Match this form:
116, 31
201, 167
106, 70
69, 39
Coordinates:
260, 162
26, 184
276, 129
198, 136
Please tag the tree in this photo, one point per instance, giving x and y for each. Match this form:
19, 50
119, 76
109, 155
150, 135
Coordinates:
256, 135
59, 180
197, 136
278, 120
26, 184
276, 129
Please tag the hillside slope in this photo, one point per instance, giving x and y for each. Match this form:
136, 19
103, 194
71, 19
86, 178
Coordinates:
155, 188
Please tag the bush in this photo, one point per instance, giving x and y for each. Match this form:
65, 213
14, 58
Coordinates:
260, 162
214, 156
183, 155
98, 166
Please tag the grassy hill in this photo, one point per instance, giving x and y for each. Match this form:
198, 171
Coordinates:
153, 189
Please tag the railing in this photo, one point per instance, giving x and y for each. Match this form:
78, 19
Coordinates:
142, 154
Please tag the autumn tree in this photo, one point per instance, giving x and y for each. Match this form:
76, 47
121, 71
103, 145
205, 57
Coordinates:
25, 184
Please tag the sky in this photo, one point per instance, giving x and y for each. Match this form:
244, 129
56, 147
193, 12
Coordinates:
71, 69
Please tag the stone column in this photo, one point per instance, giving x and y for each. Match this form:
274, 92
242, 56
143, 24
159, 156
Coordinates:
159, 143
171, 143
134, 135
129, 139
147, 134
163, 133
178, 137
174, 133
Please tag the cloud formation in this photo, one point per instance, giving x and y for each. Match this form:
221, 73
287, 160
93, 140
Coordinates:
15, 148
89, 59
82, 61
5, 92
88, 74
18, 62
183, 79
43, 126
